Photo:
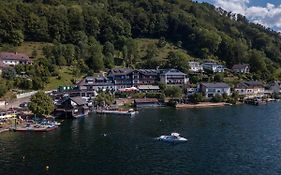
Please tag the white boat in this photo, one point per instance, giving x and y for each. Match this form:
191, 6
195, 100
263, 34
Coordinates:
173, 138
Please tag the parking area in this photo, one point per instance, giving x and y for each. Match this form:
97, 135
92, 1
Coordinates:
15, 103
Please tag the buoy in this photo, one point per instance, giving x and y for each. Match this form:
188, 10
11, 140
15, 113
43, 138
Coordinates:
47, 168
23, 157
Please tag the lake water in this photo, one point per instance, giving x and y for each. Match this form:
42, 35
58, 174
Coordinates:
237, 140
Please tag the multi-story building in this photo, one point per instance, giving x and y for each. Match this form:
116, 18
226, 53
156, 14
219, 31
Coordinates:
12, 59
121, 77
213, 67
173, 77
145, 77
91, 84
144, 80
212, 89
195, 67
250, 89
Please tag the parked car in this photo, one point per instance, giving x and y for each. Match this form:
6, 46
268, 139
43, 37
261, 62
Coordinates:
24, 105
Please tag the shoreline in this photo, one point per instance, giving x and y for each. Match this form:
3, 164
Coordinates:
202, 105
4, 130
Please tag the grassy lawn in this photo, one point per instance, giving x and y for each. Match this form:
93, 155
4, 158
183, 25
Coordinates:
161, 52
26, 47
66, 77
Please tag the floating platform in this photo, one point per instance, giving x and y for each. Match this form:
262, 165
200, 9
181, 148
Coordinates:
34, 128
117, 112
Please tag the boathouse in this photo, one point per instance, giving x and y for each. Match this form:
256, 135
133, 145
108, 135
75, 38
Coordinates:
147, 102
72, 107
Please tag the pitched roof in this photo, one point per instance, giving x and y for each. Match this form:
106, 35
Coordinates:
240, 66
172, 72
215, 85
78, 100
148, 71
120, 71
14, 56
93, 81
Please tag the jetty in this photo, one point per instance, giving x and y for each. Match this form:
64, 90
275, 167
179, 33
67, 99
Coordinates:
129, 112
34, 128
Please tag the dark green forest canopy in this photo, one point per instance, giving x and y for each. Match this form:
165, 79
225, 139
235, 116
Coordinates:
84, 28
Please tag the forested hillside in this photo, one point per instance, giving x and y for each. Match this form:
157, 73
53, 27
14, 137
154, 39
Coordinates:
92, 35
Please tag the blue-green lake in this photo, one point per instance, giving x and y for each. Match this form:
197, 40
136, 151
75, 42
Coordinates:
235, 140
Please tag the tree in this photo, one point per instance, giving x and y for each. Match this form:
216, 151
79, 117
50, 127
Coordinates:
41, 104
37, 83
108, 51
178, 60
3, 88
217, 98
9, 73
95, 59
173, 91
16, 37
104, 99
131, 52
197, 97
61, 61
257, 61
219, 77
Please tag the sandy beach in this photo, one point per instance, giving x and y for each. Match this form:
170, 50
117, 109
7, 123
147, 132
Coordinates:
201, 105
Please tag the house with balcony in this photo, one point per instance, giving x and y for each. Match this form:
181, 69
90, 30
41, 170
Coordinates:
121, 77
213, 67
212, 89
90, 85
241, 68
145, 77
195, 67
250, 89
173, 77
12, 59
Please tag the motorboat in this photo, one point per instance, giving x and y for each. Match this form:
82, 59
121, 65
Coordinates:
173, 138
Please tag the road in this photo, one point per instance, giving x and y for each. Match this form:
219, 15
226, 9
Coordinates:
15, 103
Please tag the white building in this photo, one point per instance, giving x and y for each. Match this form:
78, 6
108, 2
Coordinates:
12, 59
250, 89
195, 67
173, 77
212, 89
213, 67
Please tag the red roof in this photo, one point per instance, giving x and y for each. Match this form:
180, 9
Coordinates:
14, 56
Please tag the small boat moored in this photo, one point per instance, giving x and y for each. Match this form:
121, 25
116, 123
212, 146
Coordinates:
173, 138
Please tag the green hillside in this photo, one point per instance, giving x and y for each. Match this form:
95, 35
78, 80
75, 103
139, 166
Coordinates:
92, 35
